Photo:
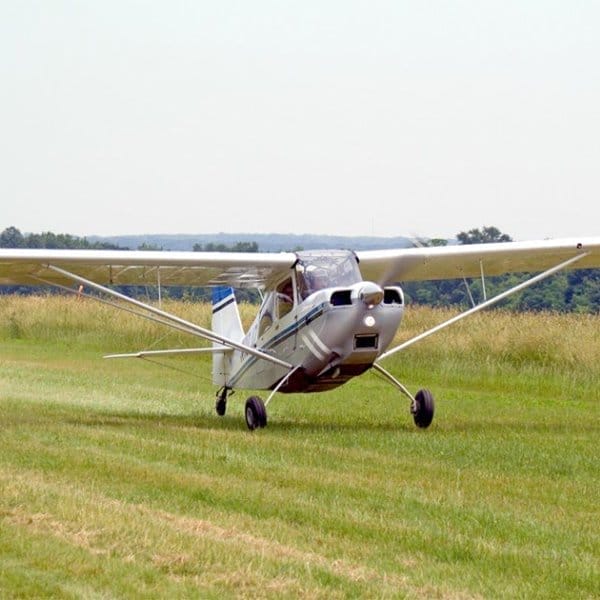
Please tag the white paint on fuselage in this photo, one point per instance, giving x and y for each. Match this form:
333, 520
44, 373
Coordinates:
317, 336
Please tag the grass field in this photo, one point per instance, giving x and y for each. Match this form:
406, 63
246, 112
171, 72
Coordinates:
117, 479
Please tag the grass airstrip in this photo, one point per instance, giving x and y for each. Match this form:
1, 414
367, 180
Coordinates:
117, 479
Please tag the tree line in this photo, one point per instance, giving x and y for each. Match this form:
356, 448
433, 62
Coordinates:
568, 291
11, 237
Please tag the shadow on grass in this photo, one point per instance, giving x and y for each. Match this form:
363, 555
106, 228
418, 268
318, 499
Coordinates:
208, 422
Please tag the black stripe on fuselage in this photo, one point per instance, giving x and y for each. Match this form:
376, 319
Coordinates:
219, 307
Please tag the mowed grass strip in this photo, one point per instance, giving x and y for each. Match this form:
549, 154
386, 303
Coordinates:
117, 478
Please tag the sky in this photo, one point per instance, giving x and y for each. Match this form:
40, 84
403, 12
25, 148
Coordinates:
375, 117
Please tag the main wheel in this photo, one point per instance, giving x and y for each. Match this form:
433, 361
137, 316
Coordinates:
423, 408
256, 413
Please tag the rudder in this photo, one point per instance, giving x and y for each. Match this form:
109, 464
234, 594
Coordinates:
226, 322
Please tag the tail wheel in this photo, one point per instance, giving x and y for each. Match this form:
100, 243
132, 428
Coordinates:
256, 414
221, 406
423, 409
221, 403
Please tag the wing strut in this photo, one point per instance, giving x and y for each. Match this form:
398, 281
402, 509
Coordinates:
483, 281
172, 319
483, 305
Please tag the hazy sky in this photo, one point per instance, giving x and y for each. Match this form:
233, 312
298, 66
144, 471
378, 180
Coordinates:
340, 117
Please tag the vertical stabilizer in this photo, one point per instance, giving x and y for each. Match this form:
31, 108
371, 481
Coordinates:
226, 322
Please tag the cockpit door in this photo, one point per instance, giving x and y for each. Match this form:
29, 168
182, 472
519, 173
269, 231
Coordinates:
287, 318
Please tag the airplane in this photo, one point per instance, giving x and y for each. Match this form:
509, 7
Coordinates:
326, 316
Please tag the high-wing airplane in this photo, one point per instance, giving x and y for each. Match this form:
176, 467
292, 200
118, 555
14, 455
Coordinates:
326, 316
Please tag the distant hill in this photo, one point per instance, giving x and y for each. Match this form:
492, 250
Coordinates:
271, 242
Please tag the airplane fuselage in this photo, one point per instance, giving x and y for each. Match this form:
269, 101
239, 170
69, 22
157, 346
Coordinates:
331, 334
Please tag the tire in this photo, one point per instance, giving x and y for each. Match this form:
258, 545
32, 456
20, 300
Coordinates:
423, 409
221, 406
256, 414
221, 403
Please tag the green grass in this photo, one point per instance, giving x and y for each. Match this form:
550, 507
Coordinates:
117, 479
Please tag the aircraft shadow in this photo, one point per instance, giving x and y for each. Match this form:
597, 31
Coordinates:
209, 422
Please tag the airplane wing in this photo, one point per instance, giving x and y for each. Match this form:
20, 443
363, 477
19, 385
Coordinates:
456, 262
262, 270
124, 267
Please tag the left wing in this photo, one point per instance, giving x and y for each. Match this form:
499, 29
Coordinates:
475, 260
124, 267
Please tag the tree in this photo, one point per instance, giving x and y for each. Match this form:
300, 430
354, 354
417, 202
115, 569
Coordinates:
237, 247
487, 235
583, 292
150, 247
435, 242
11, 237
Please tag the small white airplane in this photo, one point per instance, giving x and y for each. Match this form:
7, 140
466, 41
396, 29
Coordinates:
326, 316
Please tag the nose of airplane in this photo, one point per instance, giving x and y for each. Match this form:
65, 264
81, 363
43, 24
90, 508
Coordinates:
371, 294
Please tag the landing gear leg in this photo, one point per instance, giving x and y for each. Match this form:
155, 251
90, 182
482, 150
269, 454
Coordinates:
221, 403
422, 405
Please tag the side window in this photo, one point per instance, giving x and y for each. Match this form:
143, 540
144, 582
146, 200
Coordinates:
285, 297
266, 316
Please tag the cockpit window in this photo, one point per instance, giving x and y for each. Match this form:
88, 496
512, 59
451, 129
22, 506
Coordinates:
318, 270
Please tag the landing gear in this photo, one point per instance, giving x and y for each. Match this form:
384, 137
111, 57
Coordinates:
221, 403
422, 405
422, 408
256, 414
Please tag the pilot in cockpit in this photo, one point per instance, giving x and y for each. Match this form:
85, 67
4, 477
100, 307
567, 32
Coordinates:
285, 297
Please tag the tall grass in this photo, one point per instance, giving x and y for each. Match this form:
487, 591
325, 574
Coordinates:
569, 342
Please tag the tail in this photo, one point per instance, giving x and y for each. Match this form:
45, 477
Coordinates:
226, 322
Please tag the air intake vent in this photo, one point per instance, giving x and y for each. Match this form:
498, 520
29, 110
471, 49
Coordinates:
341, 298
392, 296
366, 341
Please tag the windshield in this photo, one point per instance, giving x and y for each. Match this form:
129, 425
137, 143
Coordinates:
317, 270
